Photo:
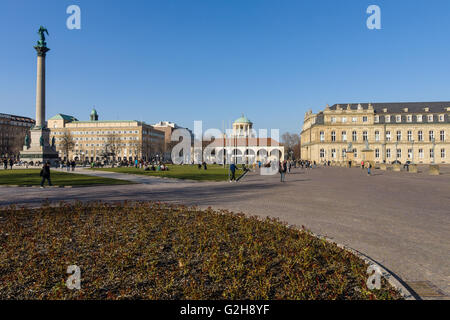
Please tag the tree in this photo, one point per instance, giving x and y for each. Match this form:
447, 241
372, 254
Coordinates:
291, 142
112, 145
67, 144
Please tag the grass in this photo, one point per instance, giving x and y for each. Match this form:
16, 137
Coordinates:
158, 251
189, 172
30, 177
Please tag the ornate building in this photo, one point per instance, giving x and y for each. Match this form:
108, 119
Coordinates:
243, 146
99, 140
13, 130
418, 132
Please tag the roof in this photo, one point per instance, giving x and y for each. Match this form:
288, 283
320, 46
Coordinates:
243, 119
398, 107
65, 117
93, 112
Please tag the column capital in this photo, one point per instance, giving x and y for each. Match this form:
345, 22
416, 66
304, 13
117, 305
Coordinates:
41, 51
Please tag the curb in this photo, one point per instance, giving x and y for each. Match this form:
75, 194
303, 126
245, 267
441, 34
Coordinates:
390, 277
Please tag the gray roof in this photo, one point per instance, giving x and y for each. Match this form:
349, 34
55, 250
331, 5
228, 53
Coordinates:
397, 107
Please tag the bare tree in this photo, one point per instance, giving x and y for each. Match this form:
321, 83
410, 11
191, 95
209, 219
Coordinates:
67, 144
112, 145
291, 142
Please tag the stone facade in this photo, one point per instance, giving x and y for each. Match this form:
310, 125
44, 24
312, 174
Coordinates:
416, 132
13, 130
99, 140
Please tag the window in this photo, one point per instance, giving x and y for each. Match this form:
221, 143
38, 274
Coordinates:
333, 136
387, 119
344, 119
354, 119
442, 135
377, 119
442, 153
409, 118
431, 154
410, 135
399, 135
377, 153
322, 153
377, 135
344, 153
365, 119
410, 153
419, 118
333, 119
354, 136
388, 136
398, 118
355, 153
333, 153
420, 135
322, 136
364, 135
399, 153
421, 153
388, 153
431, 135
430, 118
441, 118
344, 136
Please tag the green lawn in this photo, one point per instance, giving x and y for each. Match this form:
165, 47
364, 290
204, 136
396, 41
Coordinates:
190, 172
31, 177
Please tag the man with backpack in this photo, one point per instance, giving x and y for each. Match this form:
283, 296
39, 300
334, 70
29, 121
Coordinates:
45, 174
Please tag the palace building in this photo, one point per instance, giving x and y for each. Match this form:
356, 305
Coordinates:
13, 130
243, 146
107, 139
418, 132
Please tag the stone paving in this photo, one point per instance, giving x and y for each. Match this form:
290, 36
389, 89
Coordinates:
399, 219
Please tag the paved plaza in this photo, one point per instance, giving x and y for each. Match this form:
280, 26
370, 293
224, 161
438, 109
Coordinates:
399, 219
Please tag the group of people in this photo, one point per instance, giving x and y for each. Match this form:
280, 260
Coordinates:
6, 162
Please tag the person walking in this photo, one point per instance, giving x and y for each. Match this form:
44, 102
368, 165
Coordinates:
11, 163
282, 170
73, 164
5, 163
45, 174
369, 168
233, 172
362, 164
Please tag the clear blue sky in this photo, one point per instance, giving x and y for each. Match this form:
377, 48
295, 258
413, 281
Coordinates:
211, 60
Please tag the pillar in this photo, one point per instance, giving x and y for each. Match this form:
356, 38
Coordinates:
40, 86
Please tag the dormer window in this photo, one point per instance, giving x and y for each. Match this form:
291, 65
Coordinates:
441, 118
384, 110
426, 109
364, 118
377, 119
405, 109
333, 119
387, 119
409, 118
344, 119
430, 118
419, 118
398, 118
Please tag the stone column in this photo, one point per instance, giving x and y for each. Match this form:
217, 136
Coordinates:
40, 86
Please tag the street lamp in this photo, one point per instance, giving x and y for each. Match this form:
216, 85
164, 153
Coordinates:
412, 151
396, 151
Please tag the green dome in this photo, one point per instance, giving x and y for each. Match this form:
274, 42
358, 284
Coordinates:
243, 119
93, 112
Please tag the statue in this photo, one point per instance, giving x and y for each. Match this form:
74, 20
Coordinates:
350, 147
41, 141
27, 141
367, 145
42, 31
53, 142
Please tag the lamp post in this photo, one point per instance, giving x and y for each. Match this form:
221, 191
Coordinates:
412, 151
396, 152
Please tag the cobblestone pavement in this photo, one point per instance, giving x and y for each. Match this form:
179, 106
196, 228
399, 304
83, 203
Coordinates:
399, 219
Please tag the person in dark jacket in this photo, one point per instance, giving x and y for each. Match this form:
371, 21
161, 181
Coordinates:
233, 172
45, 174
11, 163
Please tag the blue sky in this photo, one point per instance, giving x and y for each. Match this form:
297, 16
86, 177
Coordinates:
211, 60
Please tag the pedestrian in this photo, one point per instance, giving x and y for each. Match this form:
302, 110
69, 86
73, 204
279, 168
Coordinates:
73, 164
233, 172
350, 164
204, 165
282, 170
362, 164
369, 167
11, 163
45, 174
5, 164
